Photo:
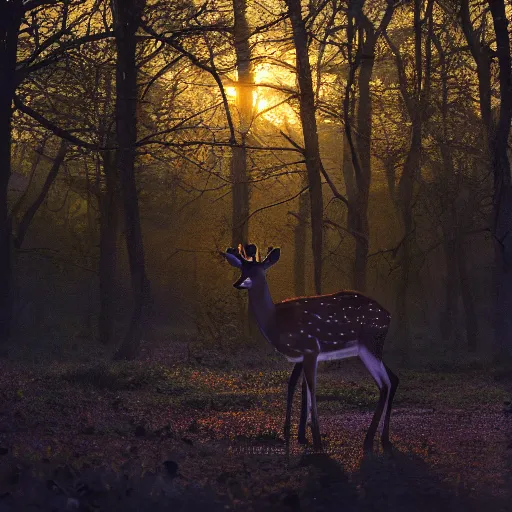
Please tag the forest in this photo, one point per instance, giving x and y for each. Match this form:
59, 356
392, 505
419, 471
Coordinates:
368, 140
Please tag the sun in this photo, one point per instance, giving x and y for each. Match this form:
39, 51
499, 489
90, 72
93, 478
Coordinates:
267, 100
260, 103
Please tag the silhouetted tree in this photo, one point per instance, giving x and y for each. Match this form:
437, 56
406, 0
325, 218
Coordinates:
310, 134
127, 19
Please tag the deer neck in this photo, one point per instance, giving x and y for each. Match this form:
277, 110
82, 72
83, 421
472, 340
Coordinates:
264, 311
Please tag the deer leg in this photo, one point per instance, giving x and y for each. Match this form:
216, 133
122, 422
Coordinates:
294, 377
304, 412
394, 380
380, 376
310, 367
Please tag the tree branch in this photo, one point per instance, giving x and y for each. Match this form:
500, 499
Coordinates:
60, 132
274, 204
32, 210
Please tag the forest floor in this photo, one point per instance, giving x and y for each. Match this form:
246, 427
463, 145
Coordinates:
154, 436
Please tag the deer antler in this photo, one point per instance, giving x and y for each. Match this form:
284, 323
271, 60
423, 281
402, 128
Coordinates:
249, 252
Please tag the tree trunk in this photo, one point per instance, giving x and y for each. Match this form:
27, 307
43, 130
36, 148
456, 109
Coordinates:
449, 315
108, 205
127, 18
310, 134
503, 269
468, 302
497, 139
240, 196
411, 171
348, 175
482, 55
502, 197
300, 238
239, 173
415, 103
358, 193
363, 178
406, 190
10, 20
355, 218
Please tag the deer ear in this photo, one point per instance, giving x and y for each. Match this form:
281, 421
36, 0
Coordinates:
272, 258
233, 260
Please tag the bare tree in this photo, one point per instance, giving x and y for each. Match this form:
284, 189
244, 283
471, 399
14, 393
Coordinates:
502, 196
11, 14
238, 165
310, 134
20, 59
127, 20
415, 97
358, 189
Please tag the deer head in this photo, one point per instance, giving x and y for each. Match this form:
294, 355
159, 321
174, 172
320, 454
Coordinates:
247, 260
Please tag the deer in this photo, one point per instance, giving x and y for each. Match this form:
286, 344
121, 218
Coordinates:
307, 330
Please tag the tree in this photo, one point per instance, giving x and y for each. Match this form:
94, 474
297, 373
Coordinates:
415, 97
310, 134
496, 135
11, 14
502, 194
360, 153
238, 164
127, 20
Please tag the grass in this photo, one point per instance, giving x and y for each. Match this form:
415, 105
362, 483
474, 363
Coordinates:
152, 417
197, 387
113, 376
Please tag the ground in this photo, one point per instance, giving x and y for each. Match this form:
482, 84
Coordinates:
176, 435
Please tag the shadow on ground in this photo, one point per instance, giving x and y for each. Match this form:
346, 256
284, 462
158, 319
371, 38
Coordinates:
402, 482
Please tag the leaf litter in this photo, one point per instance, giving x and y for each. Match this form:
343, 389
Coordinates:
117, 437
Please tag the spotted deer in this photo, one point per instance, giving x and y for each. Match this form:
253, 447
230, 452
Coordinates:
307, 330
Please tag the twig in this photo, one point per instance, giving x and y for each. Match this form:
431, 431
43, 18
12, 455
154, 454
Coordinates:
274, 204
